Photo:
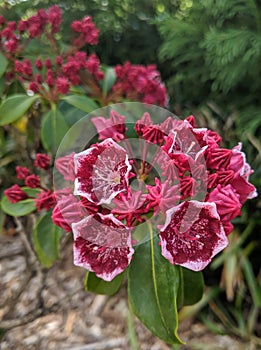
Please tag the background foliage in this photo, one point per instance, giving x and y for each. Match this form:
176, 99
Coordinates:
127, 28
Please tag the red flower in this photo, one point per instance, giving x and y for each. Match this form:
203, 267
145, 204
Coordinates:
130, 206
140, 82
33, 86
192, 235
48, 63
15, 194
11, 45
102, 244
22, 172
114, 127
163, 196
23, 25
65, 165
50, 78
38, 64
42, 161
68, 210
153, 133
88, 32
243, 188
62, 85
94, 66
102, 172
33, 181
2, 20
187, 187
45, 200
218, 158
227, 203
55, 18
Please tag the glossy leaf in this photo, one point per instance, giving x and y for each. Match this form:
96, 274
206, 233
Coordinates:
2, 85
108, 80
99, 286
84, 103
53, 129
14, 107
31, 192
3, 64
46, 240
191, 287
21, 208
153, 285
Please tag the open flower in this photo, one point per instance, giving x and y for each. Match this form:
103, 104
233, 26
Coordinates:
192, 235
65, 165
102, 244
114, 127
102, 172
68, 210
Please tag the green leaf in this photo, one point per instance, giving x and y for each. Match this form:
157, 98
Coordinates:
14, 107
108, 80
84, 103
153, 285
2, 85
46, 240
31, 192
99, 286
53, 129
70, 114
3, 64
21, 208
191, 287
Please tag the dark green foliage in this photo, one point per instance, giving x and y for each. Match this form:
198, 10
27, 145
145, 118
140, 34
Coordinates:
214, 52
211, 59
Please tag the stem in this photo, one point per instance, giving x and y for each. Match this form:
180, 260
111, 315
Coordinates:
131, 331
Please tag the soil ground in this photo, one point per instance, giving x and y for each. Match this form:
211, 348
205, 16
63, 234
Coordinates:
48, 309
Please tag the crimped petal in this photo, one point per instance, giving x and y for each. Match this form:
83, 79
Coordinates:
102, 244
102, 172
192, 235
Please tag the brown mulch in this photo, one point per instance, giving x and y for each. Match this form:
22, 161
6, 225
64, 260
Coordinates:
48, 309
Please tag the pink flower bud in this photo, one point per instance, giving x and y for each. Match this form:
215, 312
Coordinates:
15, 194
45, 200
22, 172
33, 181
42, 161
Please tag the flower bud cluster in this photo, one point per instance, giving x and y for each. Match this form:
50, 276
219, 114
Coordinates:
45, 198
136, 82
53, 76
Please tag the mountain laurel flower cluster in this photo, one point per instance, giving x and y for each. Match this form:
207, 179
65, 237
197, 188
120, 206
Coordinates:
54, 76
198, 189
